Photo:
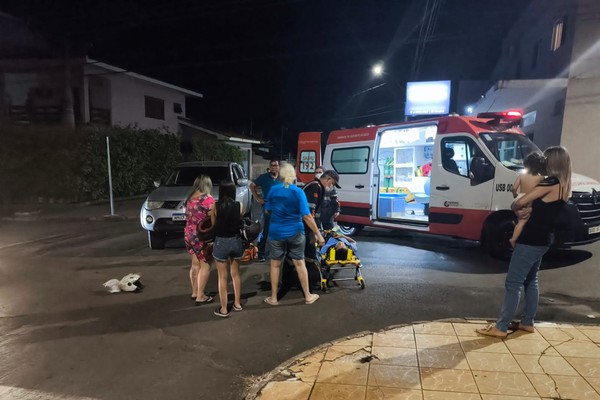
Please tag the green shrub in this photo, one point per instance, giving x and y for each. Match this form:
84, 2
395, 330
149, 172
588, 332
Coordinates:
40, 163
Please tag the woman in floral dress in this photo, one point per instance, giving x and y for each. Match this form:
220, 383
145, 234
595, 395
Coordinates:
196, 208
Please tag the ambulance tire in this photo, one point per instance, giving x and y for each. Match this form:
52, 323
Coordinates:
497, 240
350, 230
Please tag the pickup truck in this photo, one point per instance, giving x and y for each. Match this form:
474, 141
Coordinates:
163, 212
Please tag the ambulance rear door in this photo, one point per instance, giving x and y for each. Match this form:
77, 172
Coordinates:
309, 156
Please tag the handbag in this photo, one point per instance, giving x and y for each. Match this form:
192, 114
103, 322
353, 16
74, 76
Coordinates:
205, 230
250, 230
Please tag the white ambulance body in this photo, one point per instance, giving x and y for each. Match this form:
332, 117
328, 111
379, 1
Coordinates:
448, 176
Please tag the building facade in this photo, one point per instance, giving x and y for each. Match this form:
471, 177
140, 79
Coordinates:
549, 68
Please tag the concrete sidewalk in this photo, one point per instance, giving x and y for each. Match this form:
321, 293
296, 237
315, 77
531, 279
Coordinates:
124, 209
444, 361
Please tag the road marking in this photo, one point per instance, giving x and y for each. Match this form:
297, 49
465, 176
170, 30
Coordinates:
16, 393
31, 241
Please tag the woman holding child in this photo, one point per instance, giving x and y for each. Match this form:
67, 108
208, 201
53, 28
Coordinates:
542, 205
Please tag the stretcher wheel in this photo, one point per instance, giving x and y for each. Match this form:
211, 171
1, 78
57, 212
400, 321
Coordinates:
361, 282
323, 286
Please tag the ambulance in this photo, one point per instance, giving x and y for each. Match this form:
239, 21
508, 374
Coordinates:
448, 176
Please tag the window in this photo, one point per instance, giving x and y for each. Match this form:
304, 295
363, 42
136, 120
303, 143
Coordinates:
185, 176
558, 34
462, 156
177, 109
510, 149
308, 161
238, 173
351, 161
155, 108
559, 106
404, 165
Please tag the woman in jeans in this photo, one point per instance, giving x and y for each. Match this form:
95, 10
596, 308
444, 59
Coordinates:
226, 216
547, 200
196, 208
288, 207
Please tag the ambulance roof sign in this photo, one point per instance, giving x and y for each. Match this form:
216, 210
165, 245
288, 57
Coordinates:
427, 98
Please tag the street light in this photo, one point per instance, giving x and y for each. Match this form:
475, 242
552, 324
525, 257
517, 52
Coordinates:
377, 70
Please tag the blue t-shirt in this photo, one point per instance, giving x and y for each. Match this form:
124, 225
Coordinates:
266, 182
287, 206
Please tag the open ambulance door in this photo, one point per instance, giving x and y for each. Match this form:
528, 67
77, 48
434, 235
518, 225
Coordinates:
350, 153
308, 157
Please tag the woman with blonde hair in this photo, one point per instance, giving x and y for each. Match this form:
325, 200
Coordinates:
288, 207
547, 200
197, 206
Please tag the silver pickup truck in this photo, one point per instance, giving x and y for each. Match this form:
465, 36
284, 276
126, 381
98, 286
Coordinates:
163, 212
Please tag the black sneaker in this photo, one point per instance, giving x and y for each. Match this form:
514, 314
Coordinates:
260, 258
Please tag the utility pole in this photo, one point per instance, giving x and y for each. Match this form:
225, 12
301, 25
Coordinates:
281, 144
68, 115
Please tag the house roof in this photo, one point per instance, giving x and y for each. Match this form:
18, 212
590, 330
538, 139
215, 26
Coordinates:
238, 138
113, 68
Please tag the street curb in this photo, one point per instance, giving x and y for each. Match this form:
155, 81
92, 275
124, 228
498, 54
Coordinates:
105, 218
264, 379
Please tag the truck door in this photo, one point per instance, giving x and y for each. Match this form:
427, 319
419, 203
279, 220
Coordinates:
309, 156
353, 162
459, 201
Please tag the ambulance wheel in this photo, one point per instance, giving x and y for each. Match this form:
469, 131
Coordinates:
350, 230
497, 241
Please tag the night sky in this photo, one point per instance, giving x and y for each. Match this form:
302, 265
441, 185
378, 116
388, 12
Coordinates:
264, 66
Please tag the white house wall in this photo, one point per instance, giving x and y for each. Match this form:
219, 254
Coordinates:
128, 103
544, 96
581, 122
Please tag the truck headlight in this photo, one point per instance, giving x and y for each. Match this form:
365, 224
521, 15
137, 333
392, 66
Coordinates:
153, 205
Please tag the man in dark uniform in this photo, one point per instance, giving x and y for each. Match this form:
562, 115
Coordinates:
315, 192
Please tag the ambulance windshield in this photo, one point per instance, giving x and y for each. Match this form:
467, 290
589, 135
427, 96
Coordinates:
509, 148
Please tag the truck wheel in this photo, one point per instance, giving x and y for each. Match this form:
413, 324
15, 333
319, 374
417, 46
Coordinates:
156, 241
497, 240
350, 230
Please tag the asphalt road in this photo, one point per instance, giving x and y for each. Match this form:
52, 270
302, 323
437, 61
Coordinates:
62, 336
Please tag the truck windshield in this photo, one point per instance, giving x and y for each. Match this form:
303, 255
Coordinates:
509, 148
185, 176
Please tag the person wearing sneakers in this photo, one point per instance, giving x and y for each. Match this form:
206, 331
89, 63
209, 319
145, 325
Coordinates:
226, 217
289, 209
547, 201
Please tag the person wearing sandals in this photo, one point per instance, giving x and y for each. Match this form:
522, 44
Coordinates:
288, 207
226, 217
196, 209
547, 201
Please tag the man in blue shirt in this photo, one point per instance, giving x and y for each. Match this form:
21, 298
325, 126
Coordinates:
265, 181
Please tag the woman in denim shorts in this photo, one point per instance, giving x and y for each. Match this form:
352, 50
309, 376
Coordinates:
226, 216
288, 207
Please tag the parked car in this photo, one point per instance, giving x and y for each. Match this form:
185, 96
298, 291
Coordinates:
163, 212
